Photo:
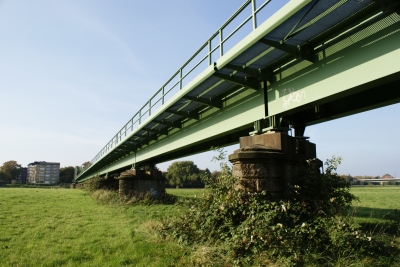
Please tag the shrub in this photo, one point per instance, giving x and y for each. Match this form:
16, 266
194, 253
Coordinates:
93, 184
310, 226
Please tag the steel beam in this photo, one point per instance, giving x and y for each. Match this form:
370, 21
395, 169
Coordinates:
185, 114
173, 124
249, 82
297, 52
206, 101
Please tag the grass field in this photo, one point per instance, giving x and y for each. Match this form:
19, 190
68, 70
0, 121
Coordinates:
379, 206
62, 227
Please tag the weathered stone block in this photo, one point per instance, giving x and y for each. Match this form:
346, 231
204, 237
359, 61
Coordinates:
278, 141
139, 183
270, 162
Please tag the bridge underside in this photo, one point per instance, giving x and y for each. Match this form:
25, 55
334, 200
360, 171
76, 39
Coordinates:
310, 62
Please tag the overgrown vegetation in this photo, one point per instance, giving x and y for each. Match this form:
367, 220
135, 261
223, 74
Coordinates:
111, 197
313, 227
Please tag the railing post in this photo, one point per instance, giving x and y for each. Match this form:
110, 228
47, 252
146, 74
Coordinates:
163, 95
180, 79
149, 107
221, 51
209, 53
253, 12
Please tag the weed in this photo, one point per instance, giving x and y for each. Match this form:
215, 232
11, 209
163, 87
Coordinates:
243, 225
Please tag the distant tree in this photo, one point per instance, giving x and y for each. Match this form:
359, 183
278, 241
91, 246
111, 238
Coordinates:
184, 174
86, 164
12, 169
215, 174
4, 176
206, 171
347, 177
67, 174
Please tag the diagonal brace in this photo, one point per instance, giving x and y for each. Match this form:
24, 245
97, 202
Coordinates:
250, 82
290, 49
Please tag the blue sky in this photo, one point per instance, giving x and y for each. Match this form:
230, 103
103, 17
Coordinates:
72, 73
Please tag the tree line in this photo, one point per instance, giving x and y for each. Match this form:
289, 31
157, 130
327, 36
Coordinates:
186, 174
11, 170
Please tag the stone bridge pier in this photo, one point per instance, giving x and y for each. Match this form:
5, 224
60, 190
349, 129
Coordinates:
270, 162
139, 183
108, 183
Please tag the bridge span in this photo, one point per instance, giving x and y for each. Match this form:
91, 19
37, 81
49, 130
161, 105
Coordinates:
308, 62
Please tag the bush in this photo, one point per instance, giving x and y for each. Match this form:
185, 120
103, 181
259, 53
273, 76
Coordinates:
310, 226
93, 184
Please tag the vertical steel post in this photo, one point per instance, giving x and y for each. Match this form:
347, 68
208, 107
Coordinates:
149, 107
163, 94
253, 13
221, 51
180, 78
209, 53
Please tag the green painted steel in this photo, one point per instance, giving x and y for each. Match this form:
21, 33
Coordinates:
356, 67
137, 120
349, 67
239, 114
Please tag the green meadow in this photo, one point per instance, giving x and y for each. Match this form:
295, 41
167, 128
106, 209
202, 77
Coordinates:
378, 206
63, 227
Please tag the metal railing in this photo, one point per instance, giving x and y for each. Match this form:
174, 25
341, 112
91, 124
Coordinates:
209, 52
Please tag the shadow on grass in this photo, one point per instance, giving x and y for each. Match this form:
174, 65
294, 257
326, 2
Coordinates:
378, 219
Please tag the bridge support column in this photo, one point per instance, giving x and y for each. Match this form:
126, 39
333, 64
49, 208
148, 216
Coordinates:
140, 183
109, 183
270, 162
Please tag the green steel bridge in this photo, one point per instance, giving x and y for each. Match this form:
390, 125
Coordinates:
300, 62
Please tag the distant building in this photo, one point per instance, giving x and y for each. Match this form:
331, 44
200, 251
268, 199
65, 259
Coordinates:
22, 177
387, 176
42, 172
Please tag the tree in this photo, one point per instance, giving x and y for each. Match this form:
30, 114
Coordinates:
11, 169
86, 164
67, 174
184, 174
215, 174
4, 176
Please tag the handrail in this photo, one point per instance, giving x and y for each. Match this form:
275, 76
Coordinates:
146, 108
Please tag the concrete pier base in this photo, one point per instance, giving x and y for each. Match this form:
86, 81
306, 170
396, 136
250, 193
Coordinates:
139, 183
270, 162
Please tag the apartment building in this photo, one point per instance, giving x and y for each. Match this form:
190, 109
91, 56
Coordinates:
23, 176
42, 172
